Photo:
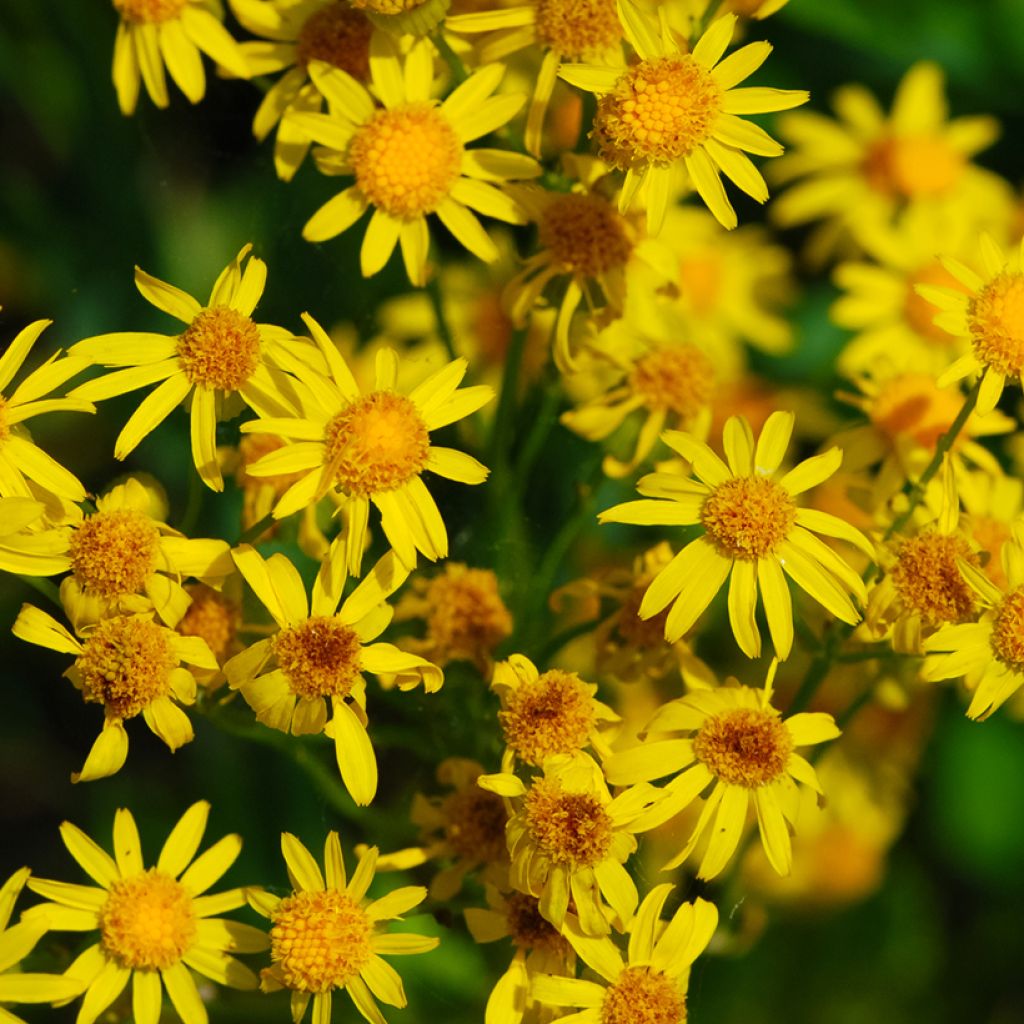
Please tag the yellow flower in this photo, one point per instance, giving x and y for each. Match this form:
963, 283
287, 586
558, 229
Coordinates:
129, 664
216, 617
648, 984
152, 33
409, 157
15, 944
320, 651
294, 34
673, 107
327, 935
221, 354
26, 471
154, 923
27, 545
373, 448
994, 504
734, 741
754, 534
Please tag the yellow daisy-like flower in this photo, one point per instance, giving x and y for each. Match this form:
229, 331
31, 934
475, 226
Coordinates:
156, 924
568, 839
221, 354
129, 664
153, 34
373, 448
26, 471
15, 944
409, 156
674, 108
734, 741
648, 985
123, 560
754, 535
320, 652
294, 34
27, 545
990, 316
327, 935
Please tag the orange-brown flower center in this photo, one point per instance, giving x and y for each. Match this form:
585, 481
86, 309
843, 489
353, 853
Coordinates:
745, 747
578, 29
220, 348
747, 517
552, 715
528, 929
474, 824
642, 995
929, 581
114, 553
321, 657
467, 617
996, 319
700, 281
585, 234
142, 12
1008, 631
212, 617
913, 405
338, 35
645, 634
387, 6
570, 828
912, 166
680, 379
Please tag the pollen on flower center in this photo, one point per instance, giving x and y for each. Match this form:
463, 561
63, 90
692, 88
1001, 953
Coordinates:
585, 234
528, 929
474, 824
339, 36
376, 443
996, 319
913, 405
578, 29
149, 11
919, 312
913, 165
1008, 630
552, 715
147, 921
220, 348
406, 159
645, 634
658, 111
747, 517
642, 995
114, 553
700, 280
680, 379
467, 617
320, 940
125, 665
321, 657
928, 580
744, 747
213, 617
571, 828
387, 6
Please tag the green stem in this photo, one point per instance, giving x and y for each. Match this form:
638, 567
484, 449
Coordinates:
257, 529
451, 58
434, 292
498, 440
44, 587
545, 419
193, 504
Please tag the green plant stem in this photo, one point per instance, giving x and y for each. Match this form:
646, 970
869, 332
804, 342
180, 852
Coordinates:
500, 429
451, 58
443, 329
257, 529
44, 587
560, 639
193, 504
545, 419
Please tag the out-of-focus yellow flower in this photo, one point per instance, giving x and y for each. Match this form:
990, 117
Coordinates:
216, 617
994, 504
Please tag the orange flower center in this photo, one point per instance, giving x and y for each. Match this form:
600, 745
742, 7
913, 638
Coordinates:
659, 111
552, 715
747, 517
745, 747
646, 634
996, 319
467, 617
990, 534
528, 929
125, 665
474, 824
407, 159
339, 36
220, 349
585, 234
147, 921
928, 580
320, 940
321, 657
213, 618
1008, 631
919, 312
913, 166
142, 12
680, 379
912, 405
377, 443
642, 995
387, 6
570, 828
700, 281
114, 553
578, 29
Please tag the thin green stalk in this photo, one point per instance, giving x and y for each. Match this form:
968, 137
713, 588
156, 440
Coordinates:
44, 587
193, 504
257, 529
451, 58
545, 419
500, 429
434, 292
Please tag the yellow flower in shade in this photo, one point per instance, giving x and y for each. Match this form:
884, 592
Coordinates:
466, 619
568, 839
327, 935
409, 157
27, 545
155, 33
129, 664
754, 535
293, 34
674, 108
156, 924
123, 560
734, 741
465, 826
26, 471
995, 505
990, 316
320, 652
222, 355
16, 943
649, 984
547, 714
565, 30
373, 448
216, 617
989, 653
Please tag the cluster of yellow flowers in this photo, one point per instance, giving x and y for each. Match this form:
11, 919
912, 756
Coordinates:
632, 315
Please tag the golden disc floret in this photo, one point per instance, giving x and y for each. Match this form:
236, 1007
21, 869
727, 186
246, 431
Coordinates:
642, 995
387, 6
528, 929
927, 578
467, 617
570, 828
913, 166
578, 29
151, 12
321, 657
585, 234
212, 617
339, 36
1008, 630
114, 553
659, 111
406, 160
220, 348
680, 379
474, 824
554, 714
747, 747
996, 320
147, 922
747, 517
645, 634
376, 443
320, 940
913, 405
